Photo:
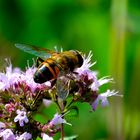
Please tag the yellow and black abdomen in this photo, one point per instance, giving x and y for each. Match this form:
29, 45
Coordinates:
47, 70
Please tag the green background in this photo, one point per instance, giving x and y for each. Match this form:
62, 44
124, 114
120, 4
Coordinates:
110, 28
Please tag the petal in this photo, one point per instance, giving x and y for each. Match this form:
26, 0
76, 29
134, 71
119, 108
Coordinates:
26, 120
21, 123
47, 102
7, 134
46, 137
105, 80
104, 102
103, 98
95, 104
16, 119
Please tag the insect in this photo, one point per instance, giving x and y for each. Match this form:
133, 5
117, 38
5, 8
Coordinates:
51, 63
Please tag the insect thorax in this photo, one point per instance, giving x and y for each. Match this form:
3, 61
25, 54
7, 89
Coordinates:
68, 60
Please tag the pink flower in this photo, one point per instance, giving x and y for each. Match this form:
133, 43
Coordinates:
21, 117
10, 107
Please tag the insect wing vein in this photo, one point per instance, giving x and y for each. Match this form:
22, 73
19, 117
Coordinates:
62, 88
40, 52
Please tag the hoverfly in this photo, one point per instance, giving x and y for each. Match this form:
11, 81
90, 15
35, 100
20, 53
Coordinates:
51, 63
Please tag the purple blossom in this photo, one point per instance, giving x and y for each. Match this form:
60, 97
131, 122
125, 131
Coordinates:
24, 136
13, 77
104, 80
103, 98
21, 93
46, 137
85, 74
7, 134
21, 117
86, 63
47, 102
84, 70
10, 77
2, 126
89, 81
57, 119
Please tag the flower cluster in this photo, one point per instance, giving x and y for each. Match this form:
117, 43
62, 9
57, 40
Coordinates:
20, 97
17, 94
89, 85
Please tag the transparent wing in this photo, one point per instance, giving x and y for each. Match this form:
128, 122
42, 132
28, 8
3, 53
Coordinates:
40, 52
62, 86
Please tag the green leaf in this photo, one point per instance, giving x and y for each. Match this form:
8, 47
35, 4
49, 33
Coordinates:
74, 111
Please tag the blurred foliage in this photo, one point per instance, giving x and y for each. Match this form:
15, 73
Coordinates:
110, 28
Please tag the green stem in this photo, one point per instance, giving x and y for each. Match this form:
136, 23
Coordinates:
70, 104
61, 106
62, 131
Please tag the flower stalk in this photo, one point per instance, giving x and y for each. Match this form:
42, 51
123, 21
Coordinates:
62, 113
62, 131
